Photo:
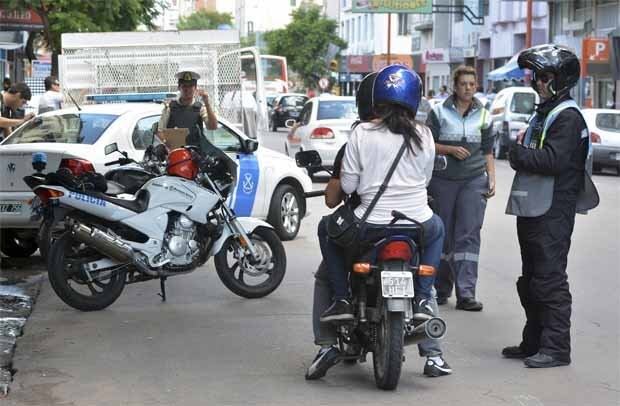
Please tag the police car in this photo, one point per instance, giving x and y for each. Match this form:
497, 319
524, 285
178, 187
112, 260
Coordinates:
270, 186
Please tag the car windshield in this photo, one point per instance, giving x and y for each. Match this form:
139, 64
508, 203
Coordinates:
75, 128
293, 101
337, 109
523, 103
608, 122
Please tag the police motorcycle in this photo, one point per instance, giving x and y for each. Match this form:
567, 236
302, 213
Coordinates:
171, 226
127, 178
381, 281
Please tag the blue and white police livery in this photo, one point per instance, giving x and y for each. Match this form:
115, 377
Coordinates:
270, 186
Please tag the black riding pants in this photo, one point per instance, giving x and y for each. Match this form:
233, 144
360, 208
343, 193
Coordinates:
543, 287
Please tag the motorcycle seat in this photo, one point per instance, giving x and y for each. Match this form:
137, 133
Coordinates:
138, 205
114, 188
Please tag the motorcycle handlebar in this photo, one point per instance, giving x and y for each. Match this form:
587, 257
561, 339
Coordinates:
314, 193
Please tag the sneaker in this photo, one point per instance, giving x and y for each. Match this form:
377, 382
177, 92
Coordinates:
442, 300
540, 360
340, 310
422, 309
433, 369
469, 304
325, 359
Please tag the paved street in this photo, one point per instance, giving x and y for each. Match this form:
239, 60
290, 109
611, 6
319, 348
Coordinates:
206, 346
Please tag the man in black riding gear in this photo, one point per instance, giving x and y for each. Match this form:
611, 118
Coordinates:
552, 182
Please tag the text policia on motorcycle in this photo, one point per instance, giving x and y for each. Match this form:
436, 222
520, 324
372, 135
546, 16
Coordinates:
367, 316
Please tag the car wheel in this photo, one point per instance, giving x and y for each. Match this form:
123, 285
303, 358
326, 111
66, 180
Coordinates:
285, 212
18, 243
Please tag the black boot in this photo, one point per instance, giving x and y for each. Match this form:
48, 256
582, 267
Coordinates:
540, 360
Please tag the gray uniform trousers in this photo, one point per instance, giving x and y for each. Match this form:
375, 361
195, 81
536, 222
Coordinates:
325, 333
461, 206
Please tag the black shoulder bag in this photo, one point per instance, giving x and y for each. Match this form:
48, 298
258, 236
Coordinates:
342, 226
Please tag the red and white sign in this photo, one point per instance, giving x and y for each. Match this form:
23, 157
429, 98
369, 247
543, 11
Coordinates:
323, 83
20, 20
438, 55
596, 50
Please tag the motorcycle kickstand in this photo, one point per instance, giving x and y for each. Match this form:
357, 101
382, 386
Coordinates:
162, 285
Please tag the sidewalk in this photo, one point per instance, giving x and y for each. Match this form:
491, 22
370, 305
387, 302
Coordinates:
20, 282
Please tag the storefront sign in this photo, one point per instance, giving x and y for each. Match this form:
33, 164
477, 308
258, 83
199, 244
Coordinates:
359, 63
20, 20
392, 6
438, 55
381, 61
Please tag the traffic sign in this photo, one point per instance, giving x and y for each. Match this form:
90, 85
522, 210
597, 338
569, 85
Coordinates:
323, 83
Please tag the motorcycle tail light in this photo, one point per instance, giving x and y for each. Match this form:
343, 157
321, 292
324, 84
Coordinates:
322, 133
396, 250
426, 270
46, 194
595, 138
362, 268
77, 166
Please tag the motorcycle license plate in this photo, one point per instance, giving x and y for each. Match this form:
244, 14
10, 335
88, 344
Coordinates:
397, 284
11, 207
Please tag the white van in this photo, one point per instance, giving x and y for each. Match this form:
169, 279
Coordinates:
510, 112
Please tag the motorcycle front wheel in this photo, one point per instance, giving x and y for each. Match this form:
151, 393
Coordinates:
388, 354
247, 279
84, 291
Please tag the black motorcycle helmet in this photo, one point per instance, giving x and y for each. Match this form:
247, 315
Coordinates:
556, 59
363, 99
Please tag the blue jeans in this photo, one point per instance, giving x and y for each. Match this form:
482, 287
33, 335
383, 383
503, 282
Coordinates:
335, 257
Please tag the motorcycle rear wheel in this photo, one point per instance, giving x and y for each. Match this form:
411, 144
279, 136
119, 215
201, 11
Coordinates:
234, 269
387, 357
65, 259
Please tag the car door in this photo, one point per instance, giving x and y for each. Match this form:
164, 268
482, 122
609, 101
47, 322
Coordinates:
143, 135
250, 197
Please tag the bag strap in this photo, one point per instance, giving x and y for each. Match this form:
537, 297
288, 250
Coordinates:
385, 182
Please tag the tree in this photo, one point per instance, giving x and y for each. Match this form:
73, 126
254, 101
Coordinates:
204, 20
61, 16
304, 42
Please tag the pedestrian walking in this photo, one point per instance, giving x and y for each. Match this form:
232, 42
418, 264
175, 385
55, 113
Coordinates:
52, 98
461, 127
552, 182
12, 101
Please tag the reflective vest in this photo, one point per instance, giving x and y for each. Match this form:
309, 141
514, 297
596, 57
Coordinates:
531, 194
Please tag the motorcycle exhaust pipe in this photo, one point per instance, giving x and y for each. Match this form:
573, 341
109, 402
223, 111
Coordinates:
434, 328
103, 243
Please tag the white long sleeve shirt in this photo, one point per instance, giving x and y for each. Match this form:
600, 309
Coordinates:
370, 152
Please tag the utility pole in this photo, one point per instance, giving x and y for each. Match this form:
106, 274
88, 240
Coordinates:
528, 23
389, 48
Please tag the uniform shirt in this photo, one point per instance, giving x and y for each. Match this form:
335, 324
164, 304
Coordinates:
50, 101
370, 152
471, 131
165, 115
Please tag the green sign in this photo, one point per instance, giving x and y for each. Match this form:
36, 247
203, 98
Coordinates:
392, 6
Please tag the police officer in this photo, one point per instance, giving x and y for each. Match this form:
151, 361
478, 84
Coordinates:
11, 102
184, 112
552, 183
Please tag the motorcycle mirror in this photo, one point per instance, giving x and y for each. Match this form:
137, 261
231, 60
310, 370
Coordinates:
441, 163
308, 159
111, 148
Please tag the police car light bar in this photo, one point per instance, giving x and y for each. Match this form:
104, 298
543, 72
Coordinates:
131, 97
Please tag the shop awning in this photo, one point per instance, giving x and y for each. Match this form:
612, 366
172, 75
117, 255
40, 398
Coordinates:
9, 46
509, 71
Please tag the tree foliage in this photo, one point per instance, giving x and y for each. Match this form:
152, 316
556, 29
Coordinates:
61, 16
204, 20
304, 42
